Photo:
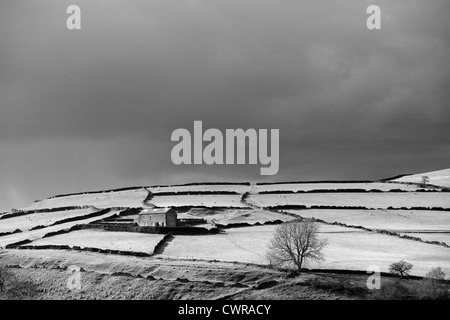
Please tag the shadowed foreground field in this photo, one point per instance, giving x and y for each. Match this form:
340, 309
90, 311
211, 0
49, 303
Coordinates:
34, 276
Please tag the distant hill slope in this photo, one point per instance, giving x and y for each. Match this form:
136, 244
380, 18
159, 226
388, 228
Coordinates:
229, 194
438, 178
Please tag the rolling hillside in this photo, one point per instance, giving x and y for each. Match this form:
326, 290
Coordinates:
366, 223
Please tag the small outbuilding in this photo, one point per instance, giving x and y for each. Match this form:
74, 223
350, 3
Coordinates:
157, 217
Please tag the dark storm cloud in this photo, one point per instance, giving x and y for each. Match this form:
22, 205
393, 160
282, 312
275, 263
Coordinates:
95, 108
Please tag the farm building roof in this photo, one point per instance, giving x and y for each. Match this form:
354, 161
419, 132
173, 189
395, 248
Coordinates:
155, 210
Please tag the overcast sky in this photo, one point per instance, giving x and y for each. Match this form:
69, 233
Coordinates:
95, 108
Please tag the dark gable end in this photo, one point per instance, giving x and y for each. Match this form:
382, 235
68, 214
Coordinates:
157, 217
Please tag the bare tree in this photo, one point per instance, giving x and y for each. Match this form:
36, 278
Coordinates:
435, 283
425, 181
400, 268
294, 243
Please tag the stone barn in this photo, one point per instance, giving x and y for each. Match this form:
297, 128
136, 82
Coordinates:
157, 217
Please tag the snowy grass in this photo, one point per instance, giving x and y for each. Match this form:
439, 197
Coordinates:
368, 200
124, 241
393, 220
347, 249
38, 234
198, 200
129, 198
29, 221
431, 236
205, 187
383, 186
231, 216
438, 178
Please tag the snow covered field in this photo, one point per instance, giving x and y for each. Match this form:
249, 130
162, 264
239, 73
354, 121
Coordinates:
232, 216
128, 198
29, 221
431, 236
198, 200
204, 187
392, 220
424, 224
368, 200
348, 248
439, 178
382, 186
38, 234
124, 241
